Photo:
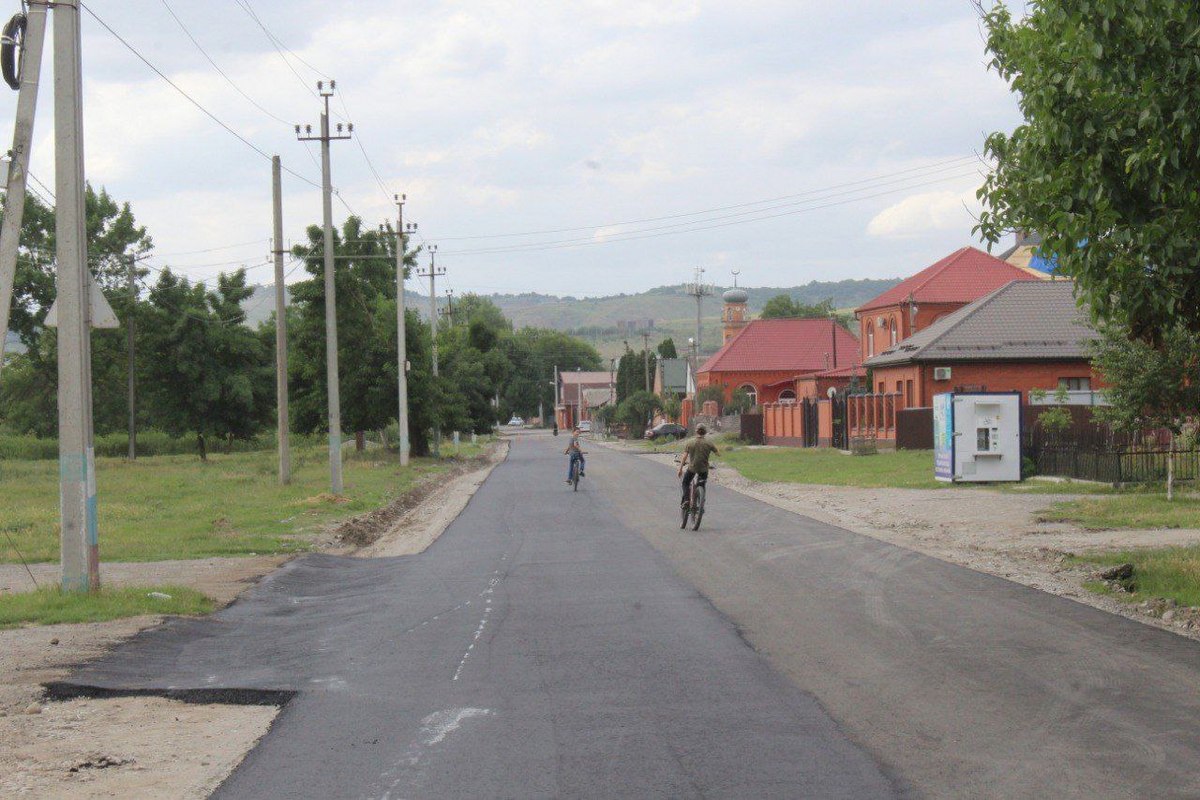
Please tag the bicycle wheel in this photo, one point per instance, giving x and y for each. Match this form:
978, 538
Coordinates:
686, 510
698, 511
575, 480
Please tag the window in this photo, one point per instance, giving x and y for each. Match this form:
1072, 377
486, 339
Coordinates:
882, 390
787, 396
870, 342
893, 327
1075, 384
749, 389
908, 393
899, 387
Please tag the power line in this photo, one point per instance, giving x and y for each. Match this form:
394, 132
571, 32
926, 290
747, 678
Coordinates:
215, 66
937, 166
699, 225
191, 99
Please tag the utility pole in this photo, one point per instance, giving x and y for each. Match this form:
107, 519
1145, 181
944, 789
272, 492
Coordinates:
130, 322
29, 68
433, 272
283, 426
699, 291
331, 341
646, 356
556, 395
77, 479
401, 340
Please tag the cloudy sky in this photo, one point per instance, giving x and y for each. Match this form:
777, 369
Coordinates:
569, 146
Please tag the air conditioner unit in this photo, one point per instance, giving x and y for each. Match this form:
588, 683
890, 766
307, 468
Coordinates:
941, 373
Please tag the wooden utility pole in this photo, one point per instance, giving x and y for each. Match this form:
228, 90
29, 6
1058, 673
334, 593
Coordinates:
282, 422
130, 323
331, 339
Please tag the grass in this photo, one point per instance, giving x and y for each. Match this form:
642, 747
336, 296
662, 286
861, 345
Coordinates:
52, 606
177, 507
905, 469
1172, 573
1128, 510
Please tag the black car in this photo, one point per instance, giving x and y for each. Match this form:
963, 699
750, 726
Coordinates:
666, 430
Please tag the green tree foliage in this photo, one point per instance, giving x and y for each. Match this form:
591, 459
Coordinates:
672, 406
714, 393
1105, 165
205, 370
739, 402
782, 306
1149, 387
666, 348
631, 372
638, 409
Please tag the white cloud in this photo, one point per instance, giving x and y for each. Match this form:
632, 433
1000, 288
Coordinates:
925, 213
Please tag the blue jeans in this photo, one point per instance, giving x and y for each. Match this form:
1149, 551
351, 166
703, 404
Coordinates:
576, 456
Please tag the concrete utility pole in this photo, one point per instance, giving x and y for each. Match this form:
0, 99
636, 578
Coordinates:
433, 272
282, 422
699, 291
29, 69
130, 323
646, 357
77, 478
401, 340
331, 341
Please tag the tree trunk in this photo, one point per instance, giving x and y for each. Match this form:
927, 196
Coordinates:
228, 443
200, 445
360, 441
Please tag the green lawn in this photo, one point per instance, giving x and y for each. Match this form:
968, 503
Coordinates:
1172, 573
52, 606
1128, 510
177, 507
906, 469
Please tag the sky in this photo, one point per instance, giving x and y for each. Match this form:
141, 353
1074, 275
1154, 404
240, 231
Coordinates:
566, 146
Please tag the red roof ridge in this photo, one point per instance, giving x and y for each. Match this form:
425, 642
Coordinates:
936, 270
946, 263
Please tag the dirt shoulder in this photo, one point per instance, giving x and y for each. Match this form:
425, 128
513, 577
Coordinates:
152, 746
990, 531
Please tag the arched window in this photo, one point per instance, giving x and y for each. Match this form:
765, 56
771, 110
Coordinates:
870, 342
749, 389
892, 325
787, 396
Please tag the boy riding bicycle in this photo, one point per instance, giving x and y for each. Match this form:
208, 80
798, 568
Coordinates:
576, 454
694, 465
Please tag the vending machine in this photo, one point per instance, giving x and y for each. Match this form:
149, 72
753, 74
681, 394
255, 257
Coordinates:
977, 436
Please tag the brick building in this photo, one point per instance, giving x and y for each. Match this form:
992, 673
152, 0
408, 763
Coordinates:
573, 406
765, 356
940, 289
1022, 336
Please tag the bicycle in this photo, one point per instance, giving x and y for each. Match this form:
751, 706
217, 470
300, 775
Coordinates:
575, 471
694, 508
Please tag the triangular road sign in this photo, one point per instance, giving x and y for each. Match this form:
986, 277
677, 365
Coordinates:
102, 314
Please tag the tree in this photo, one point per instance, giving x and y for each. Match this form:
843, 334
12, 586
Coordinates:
714, 393
739, 402
638, 409
672, 407
1149, 387
782, 306
666, 348
202, 360
1105, 165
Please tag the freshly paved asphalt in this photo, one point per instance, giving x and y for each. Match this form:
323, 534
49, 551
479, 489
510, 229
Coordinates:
540, 648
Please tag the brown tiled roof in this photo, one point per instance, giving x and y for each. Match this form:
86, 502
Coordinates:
1021, 321
965, 275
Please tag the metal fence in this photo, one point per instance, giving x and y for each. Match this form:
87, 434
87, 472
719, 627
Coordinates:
1101, 454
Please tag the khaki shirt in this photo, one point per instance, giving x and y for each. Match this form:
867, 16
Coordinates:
698, 453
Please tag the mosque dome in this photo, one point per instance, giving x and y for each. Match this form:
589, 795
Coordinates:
735, 295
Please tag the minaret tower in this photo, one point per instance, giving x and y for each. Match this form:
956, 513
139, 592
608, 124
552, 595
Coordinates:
733, 315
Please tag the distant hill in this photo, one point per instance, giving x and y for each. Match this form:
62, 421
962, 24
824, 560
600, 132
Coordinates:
671, 308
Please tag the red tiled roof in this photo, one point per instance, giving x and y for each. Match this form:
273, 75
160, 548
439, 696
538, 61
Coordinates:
800, 345
573, 381
961, 277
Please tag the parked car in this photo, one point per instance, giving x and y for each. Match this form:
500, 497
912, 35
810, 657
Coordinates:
666, 430
585, 426
516, 420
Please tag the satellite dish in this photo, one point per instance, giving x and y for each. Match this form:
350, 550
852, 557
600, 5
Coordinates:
831, 392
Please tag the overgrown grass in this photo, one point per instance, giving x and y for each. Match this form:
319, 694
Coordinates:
52, 606
149, 443
1168, 572
906, 469
177, 507
1134, 510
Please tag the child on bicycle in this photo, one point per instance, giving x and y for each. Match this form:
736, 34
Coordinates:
694, 465
575, 452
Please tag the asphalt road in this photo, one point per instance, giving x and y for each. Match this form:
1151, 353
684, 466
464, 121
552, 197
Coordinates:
542, 647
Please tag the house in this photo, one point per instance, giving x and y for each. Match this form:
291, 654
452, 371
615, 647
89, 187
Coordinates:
1023, 336
673, 376
572, 407
766, 356
936, 291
